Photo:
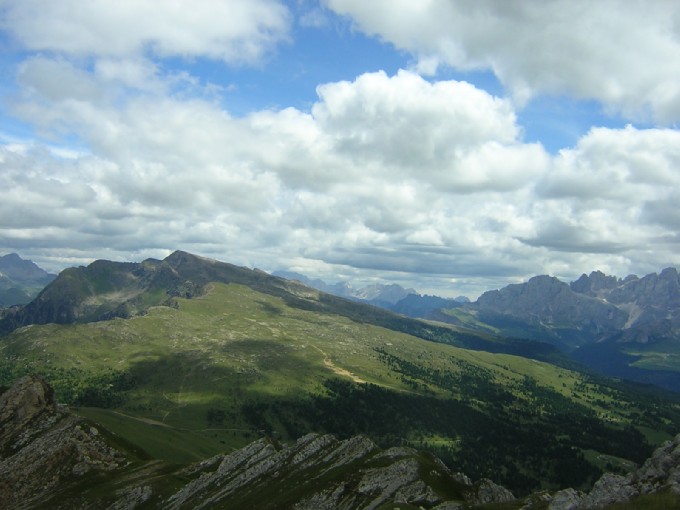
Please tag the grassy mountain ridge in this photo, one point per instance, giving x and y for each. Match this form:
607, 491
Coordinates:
197, 376
105, 289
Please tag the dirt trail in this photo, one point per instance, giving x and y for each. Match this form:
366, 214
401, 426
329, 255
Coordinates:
148, 421
340, 371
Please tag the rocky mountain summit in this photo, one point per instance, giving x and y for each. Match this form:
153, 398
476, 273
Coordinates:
51, 458
652, 303
545, 302
594, 308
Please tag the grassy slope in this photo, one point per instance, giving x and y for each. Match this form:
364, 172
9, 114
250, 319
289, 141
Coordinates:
233, 348
658, 356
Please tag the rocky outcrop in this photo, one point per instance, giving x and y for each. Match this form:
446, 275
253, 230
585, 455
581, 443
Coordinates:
321, 472
485, 491
660, 473
43, 447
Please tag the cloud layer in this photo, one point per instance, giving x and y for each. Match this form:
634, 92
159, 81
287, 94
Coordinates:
424, 182
623, 54
238, 31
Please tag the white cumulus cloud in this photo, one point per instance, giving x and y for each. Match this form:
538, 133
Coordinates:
237, 31
623, 54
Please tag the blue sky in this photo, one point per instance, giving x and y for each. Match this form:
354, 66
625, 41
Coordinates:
452, 147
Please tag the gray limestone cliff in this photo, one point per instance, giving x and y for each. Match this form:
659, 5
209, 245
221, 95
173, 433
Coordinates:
321, 472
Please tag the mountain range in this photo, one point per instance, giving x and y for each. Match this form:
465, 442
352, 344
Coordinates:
621, 327
105, 290
626, 328
186, 358
20, 280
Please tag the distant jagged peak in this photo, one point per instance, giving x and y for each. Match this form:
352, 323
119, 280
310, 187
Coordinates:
18, 269
533, 291
670, 273
389, 293
594, 283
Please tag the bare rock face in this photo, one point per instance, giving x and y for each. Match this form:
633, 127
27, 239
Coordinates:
320, 472
29, 398
485, 491
42, 445
662, 470
609, 489
567, 499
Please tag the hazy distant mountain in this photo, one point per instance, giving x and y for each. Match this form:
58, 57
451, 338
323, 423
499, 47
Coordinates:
342, 289
652, 304
377, 294
546, 306
20, 280
416, 305
392, 297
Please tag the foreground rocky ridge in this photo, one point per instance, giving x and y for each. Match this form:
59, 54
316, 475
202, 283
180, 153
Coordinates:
54, 459
50, 457
660, 474
321, 472
43, 445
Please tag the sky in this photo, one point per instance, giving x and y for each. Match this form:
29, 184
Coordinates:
451, 146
